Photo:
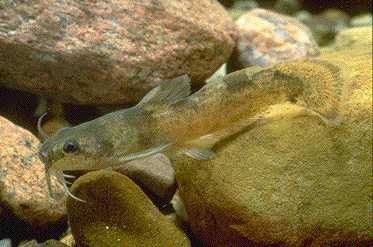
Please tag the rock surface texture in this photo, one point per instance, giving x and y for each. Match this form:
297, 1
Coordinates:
292, 179
49, 243
23, 188
267, 38
154, 175
118, 213
109, 52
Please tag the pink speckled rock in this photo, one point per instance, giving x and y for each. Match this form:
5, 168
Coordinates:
109, 52
267, 38
23, 188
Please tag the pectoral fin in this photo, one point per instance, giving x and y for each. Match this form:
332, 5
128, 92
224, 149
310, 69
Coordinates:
200, 148
141, 154
166, 93
199, 154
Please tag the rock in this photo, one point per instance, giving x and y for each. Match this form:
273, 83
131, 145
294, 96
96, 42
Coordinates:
5, 243
291, 180
362, 20
220, 73
23, 188
179, 207
353, 38
110, 52
326, 25
49, 243
287, 7
303, 16
117, 213
267, 38
154, 175
68, 240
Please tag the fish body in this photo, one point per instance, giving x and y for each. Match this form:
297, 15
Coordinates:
168, 118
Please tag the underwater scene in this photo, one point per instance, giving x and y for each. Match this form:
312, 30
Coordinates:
191, 123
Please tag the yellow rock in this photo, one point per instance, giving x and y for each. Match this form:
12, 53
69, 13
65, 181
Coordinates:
118, 213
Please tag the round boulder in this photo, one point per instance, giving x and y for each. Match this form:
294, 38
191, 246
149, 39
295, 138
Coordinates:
116, 212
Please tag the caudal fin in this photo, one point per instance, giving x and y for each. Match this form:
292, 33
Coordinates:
324, 91
317, 84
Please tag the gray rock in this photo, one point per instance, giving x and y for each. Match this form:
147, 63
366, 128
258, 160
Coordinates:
154, 175
267, 38
362, 20
5, 243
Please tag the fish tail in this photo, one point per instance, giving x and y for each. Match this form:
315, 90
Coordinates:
317, 85
324, 95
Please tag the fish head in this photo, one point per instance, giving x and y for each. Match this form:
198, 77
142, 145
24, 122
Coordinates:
87, 146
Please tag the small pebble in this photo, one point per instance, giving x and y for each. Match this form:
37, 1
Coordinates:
362, 20
5, 243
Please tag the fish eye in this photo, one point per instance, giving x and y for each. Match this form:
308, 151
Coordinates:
70, 146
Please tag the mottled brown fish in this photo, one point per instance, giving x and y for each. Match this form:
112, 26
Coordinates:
168, 119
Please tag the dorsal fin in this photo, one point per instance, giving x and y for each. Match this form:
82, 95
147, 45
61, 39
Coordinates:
166, 93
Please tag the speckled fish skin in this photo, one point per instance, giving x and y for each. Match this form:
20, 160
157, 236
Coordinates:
156, 125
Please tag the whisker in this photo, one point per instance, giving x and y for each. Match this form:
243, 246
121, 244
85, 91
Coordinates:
67, 191
43, 135
68, 176
68, 182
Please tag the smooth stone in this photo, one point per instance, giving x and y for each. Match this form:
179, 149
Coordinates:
155, 175
267, 38
23, 187
291, 180
353, 37
362, 20
110, 52
118, 213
